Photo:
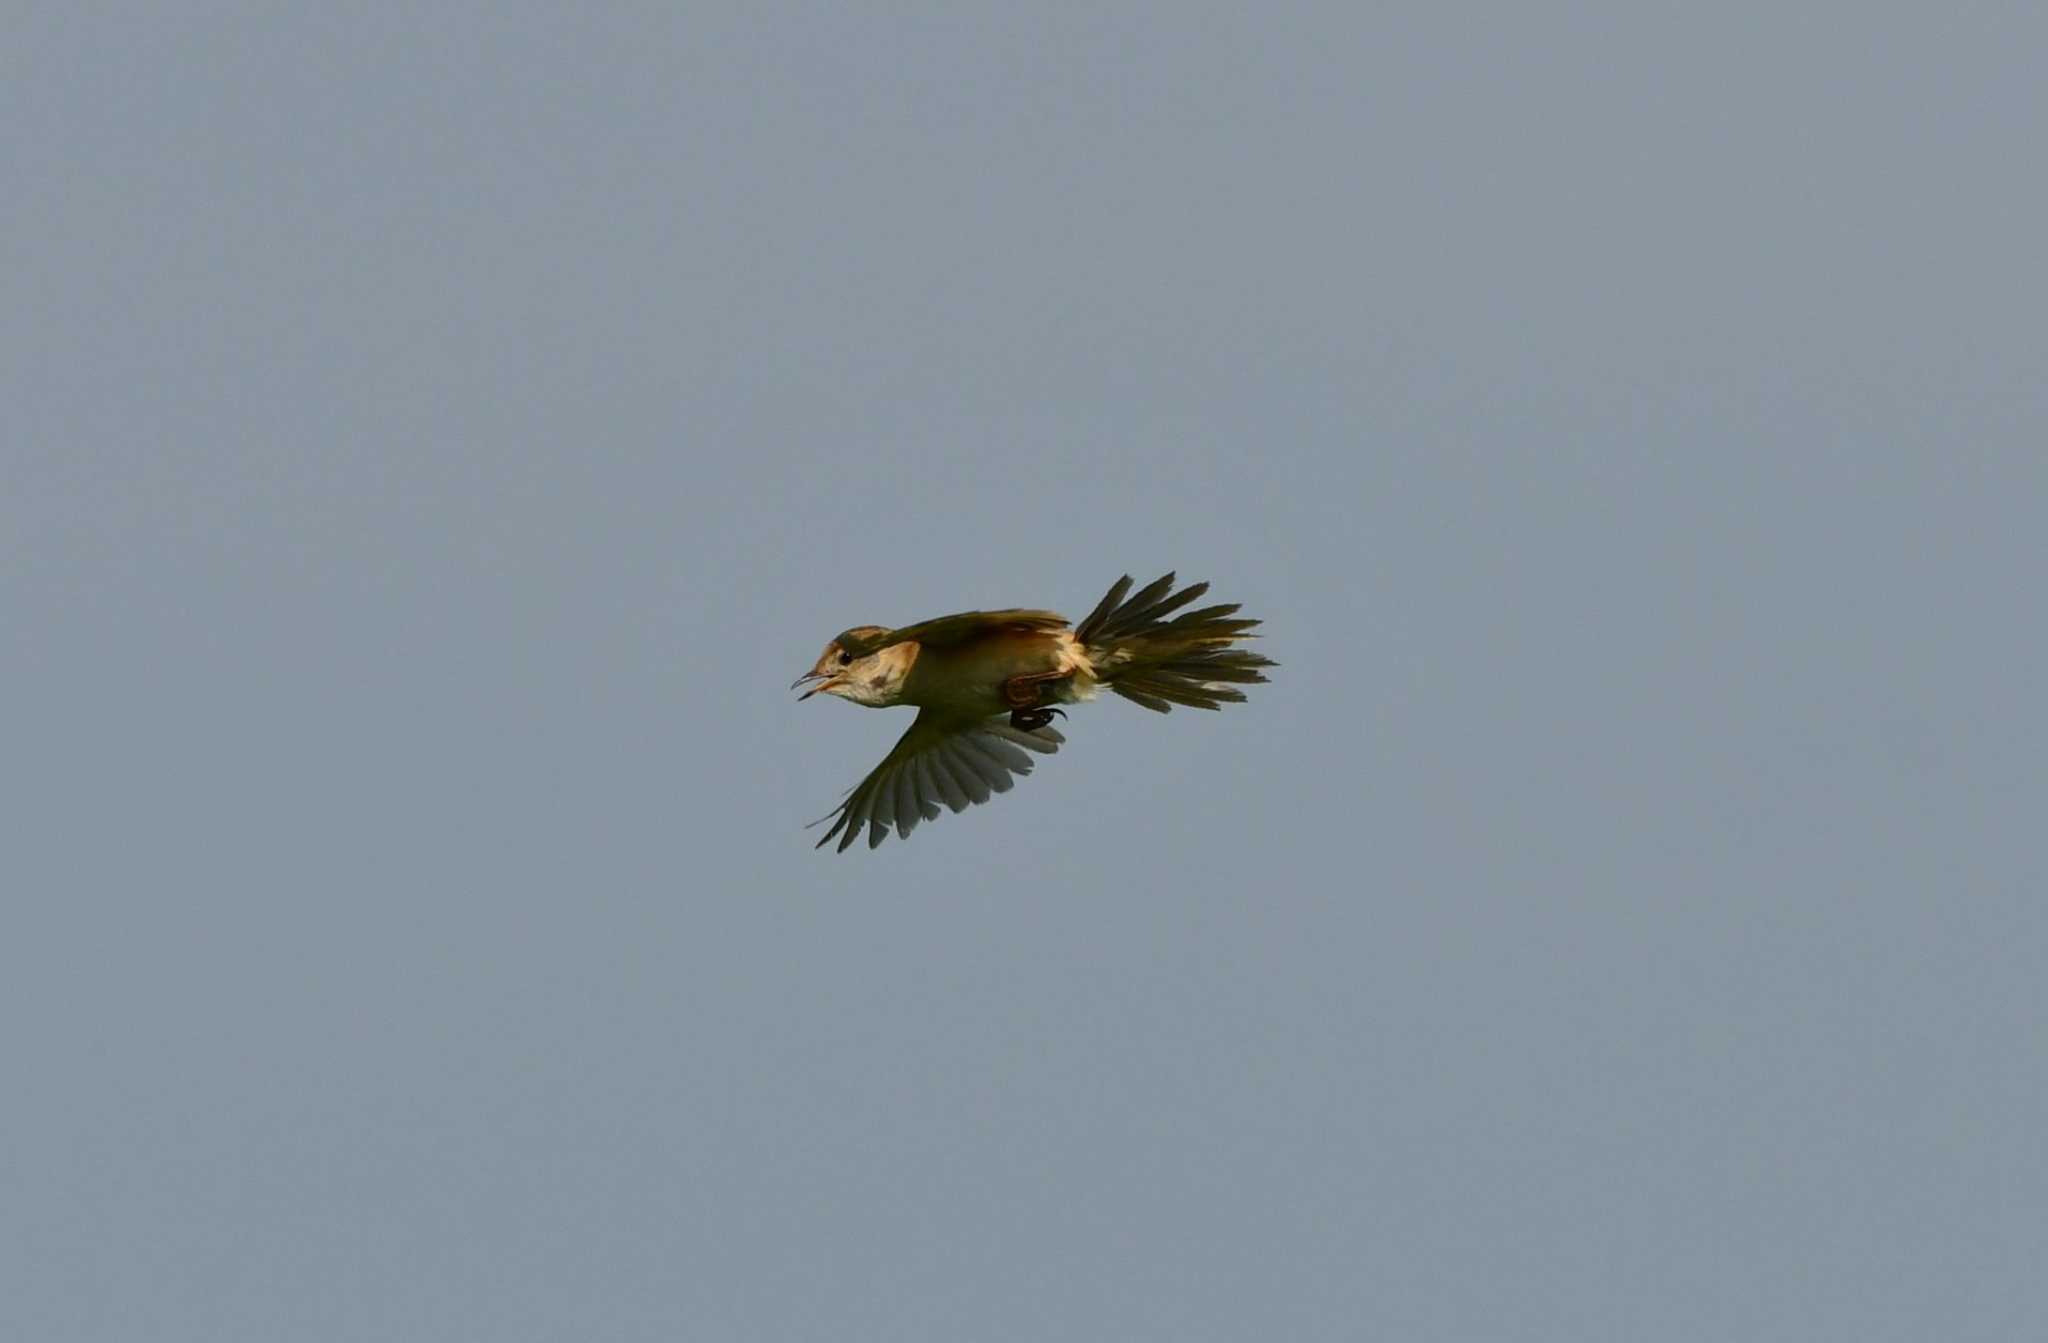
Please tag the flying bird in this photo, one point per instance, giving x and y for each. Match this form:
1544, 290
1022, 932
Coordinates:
987, 685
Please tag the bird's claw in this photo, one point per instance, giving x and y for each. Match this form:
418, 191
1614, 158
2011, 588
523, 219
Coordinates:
1030, 720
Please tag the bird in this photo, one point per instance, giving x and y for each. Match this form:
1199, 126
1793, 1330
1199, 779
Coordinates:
987, 685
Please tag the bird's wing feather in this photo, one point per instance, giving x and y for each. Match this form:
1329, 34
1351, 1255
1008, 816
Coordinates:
960, 628
939, 760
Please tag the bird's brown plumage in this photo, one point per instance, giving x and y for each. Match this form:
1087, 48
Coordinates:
962, 749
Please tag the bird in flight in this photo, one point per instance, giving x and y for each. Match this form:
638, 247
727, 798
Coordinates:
988, 683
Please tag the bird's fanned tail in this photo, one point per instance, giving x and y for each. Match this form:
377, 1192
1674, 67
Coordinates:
1151, 660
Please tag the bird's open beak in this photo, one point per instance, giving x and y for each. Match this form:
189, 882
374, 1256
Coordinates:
817, 676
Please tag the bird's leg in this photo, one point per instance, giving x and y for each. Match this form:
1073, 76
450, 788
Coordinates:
1024, 693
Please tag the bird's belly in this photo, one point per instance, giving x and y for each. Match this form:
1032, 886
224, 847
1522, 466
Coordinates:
969, 680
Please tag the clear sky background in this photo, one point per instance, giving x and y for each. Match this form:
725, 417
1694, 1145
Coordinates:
435, 436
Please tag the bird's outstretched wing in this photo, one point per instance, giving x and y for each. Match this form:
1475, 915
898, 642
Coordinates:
939, 760
957, 629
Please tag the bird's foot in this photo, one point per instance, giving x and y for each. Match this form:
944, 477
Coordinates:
1026, 695
1030, 720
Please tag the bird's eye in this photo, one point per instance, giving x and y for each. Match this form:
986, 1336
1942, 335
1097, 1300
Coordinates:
844, 658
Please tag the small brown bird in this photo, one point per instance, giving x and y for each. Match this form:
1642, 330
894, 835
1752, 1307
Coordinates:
987, 684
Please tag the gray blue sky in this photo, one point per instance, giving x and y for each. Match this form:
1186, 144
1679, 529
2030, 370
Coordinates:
432, 438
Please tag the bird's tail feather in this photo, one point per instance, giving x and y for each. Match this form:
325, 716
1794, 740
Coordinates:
1151, 660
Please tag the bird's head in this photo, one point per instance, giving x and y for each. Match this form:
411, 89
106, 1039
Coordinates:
845, 669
